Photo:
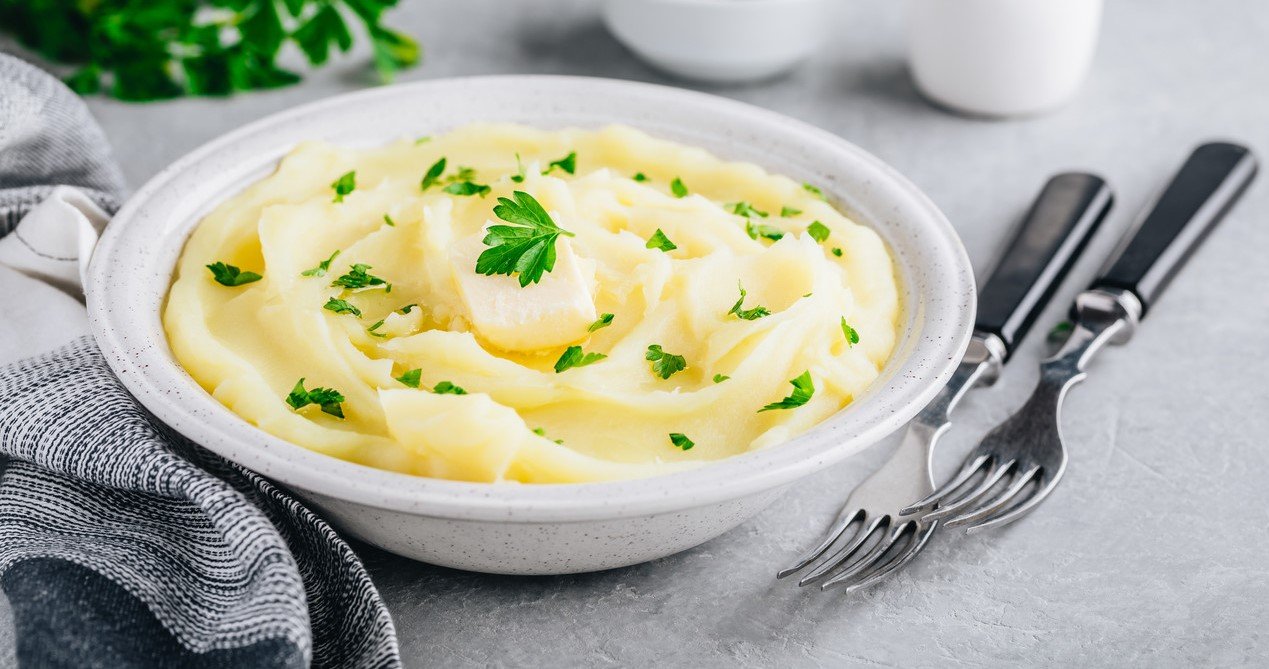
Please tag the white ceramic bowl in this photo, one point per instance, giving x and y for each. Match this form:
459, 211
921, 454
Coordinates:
724, 41
511, 528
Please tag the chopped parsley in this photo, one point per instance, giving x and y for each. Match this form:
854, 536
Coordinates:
527, 246
818, 231
518, 177
372, 329
322, 267
388, 219
228, 275
678, 188
411, 378
852, 335
803, 389
328, 399
433, 174
756, 230
567, 163
341, 307
639, 176
658, 240
786, 211
344, 185
813, 190
719, 378
423, 140
573, 357
447, 388
541, 432
837, 251
747, 314
745, 209
681, 441
600, 323
664, 364
358, 278
466, 188
407, 308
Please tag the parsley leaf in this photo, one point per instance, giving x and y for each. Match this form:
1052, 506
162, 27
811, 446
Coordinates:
813, 190
344, 185
658, 240
407, 308
423, 140
388, 219
786, 211
541, 432
573, 357
837, 251
639, 176
447, 388
747, 210
803, 389
322, 267
467, 188
719, 378
678, 188
747, 314
518, 177
681, 441
341, 307
433, 174
664, 364
818, 231
358, 278
567, 163
756, 230
371, 330
411, 378
852, 336
526, 246
602, 322
328, 399
228, 275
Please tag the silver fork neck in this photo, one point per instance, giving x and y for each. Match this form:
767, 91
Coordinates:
1102, 316
980, 366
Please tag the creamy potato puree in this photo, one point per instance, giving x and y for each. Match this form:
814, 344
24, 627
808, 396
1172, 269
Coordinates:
520, 419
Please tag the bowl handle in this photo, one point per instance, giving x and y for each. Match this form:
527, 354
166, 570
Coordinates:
55, 240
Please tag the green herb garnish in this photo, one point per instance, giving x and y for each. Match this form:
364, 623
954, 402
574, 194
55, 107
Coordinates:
756, 230
814, 191
678, 188
433, 174
341, 307
541, 432
573, 357
388, 219
322, 267
747, 314
518, 177
852, 335
447, 388
567, 163
602, 322
372, 329
818, 231
228, 275
466, 188
344, 185
639, 176
407, 308
658, 240
803, 389
411, 378
527, 246
328, 399
719, 378
837, 251
423, 140
681, 441
745, 209
664, 364
787, 211
358, 278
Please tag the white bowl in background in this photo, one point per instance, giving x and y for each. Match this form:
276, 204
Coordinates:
723, 41
516, 528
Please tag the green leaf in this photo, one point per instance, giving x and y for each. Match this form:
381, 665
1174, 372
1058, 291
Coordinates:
322, 267
813, 190
329, 399
143, 81
411, 378
358, 278
747, 210
573, 357
681, 441
567, 163
322, 29
678, 188
786, 211
208, 74
852, 336
803, 389
658, 240
249, 70
719, 378
86, 80
344, 185
664, 364
228, 275
640, 176
466, 188
447, 388
518, 177
837, 251
372, 329
602, 322
527, 246
756, 230
388, 220
407, 308
262, 29
747, 314
342, 307
818, 231
433, 174
393, 51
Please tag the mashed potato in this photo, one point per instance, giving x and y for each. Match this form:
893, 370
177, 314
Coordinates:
629, 350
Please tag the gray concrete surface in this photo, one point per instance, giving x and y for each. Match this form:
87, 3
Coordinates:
1152, 551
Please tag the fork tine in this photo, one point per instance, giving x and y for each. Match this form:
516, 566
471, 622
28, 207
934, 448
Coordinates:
874, 555
839, 526
915, 546
993, 477
845, 554
967, 470
1006, 499
1016, 512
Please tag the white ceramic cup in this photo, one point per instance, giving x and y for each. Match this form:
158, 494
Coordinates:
1001, 57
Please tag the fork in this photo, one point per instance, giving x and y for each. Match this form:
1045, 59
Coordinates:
884, 539
1019, 463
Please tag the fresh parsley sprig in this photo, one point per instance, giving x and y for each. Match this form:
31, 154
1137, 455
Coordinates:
228, 275
658, 240
433, 174
448, 388
567, 164
664, 364
341, 307
681, 441
574, 357
344, 185
329, 399
600, 323
747, 314
322, 267
526, 246
851, 334
358, 278
803, 389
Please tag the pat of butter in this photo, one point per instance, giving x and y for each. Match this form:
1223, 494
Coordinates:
552, 312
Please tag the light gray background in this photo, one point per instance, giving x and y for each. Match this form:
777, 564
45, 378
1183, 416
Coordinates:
1151, 553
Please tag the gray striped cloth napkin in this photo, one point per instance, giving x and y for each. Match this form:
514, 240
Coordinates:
121, 543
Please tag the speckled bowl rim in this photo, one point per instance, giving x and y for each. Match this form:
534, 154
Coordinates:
131, 270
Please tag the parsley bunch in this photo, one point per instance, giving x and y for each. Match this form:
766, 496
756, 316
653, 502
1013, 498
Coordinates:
142, 50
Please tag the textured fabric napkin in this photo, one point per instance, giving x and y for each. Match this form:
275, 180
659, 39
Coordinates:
121, 543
